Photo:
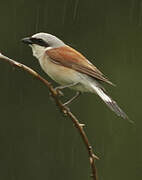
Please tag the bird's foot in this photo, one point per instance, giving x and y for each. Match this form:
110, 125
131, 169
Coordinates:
59, 92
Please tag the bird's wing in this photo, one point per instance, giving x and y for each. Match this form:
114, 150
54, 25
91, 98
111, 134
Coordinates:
69, 57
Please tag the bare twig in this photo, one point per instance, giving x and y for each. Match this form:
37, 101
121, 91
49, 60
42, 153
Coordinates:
63, 108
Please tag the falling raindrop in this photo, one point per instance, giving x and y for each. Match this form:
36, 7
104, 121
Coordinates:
64, 12
37, 19
75, 9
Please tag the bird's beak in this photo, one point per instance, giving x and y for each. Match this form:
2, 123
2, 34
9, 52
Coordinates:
27, 40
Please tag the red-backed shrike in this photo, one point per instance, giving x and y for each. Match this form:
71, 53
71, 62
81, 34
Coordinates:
70, 68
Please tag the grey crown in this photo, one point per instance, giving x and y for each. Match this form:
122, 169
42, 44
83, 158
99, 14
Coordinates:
51, 40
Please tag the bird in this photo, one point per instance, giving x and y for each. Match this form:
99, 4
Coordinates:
70, 69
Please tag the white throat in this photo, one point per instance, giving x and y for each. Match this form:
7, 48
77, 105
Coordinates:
38, 51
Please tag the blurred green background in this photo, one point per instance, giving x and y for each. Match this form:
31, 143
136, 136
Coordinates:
36, 141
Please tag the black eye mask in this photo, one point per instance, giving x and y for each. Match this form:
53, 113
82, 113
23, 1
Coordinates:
39, 41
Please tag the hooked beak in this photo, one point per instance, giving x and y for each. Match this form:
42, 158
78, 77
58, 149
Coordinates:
27, 40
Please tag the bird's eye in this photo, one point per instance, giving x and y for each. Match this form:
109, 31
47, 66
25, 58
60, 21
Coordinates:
39, 41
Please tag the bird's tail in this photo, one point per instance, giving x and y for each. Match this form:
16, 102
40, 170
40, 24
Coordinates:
109, 102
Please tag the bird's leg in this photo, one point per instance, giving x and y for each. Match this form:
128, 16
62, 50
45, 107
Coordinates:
63, 87
66, 86
73, 98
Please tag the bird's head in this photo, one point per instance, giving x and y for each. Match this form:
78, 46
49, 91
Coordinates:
41, 42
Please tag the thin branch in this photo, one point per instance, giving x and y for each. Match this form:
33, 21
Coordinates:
63, 109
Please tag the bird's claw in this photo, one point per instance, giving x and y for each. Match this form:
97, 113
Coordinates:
59, 92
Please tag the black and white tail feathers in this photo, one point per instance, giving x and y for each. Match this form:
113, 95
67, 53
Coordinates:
110, 102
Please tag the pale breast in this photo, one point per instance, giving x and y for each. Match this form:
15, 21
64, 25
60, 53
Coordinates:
58, 73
